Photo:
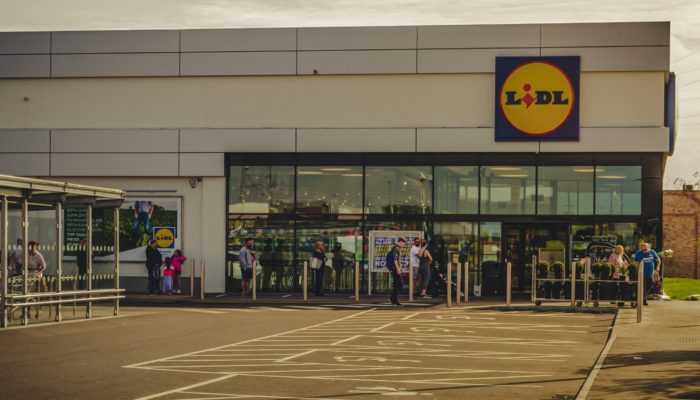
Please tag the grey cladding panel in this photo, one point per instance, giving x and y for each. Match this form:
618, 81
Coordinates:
24, 140
608, 34
25, 42
478, 36
88, 65
357, 62
363, 38
239, 40
237, 140
116, 42
119, 164
25, 164
114, 141
466, 60
239, 63
25, 66
356, 140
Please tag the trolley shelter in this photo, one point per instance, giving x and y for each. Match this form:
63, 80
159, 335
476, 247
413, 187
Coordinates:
51, 269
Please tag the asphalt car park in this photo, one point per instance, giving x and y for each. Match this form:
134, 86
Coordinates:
297, 352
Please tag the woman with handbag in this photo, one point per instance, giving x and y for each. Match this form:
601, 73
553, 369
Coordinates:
318, 263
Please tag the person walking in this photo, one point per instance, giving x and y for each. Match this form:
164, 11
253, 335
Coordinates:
246, 258
393, 263
319, 258
651, 261
178, 260
425, 261
153, 262
414, 262
15, 256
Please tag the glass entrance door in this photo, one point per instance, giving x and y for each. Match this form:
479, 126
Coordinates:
548, 242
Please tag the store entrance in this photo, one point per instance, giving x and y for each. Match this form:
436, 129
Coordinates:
548, 242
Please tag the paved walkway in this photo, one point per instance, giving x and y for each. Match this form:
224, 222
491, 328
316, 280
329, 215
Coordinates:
659, 358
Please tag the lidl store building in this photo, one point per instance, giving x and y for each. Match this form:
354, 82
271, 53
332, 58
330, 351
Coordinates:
493, 141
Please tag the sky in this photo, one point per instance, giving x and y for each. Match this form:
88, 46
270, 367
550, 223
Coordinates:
682, 167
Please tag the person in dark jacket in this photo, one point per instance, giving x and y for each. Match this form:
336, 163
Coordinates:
81, 260
319, 254
153, 263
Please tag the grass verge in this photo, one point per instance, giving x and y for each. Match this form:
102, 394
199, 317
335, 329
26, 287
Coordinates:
681, 288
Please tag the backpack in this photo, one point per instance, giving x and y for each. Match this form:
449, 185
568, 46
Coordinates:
390, 259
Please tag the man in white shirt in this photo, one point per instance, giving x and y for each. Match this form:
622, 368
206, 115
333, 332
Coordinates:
415, 261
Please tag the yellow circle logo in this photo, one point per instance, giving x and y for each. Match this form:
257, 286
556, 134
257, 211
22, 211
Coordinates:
537, 98
164, 238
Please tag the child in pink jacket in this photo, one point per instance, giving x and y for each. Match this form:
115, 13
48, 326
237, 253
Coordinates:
178, 259
168, 275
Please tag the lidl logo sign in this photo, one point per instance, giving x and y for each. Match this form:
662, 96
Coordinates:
537, 98
165, 237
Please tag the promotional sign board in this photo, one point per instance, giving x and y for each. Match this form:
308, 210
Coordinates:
537, 98
380, 242
165, 238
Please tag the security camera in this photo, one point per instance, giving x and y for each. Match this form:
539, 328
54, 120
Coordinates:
194, 181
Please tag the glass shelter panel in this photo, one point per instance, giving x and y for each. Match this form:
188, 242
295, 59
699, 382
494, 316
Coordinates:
456, 242
508, 190
398, 190
618, 190
261, 189
565, 190
329, 190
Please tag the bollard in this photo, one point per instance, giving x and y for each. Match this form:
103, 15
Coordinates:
449, 284
191, 278
466, 282
410, 283
458, 286
357, 281
255, 280
306, 281
202, 268
509, 271
573, 284
640, 290
534, 278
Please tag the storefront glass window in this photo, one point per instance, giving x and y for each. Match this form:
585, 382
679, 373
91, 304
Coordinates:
565, 191
261, 189
398, 190
623, 233
507, 190
618, 190
456, 242
456, 190
274, 241
343, 246
329, 190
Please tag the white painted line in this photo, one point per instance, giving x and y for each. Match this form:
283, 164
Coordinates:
296, 355
410, 316
588, 384
345, 340
382, 327
219, 379
200, 310
250, 340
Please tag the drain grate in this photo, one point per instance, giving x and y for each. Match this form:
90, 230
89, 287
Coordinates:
687, 340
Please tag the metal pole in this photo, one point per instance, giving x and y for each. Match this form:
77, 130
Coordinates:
459, 283
88, 217
202, 273
116, 258
4, 260
410, 283
255, 280
640, 290
586, 272
306, 280
59, 256
191, 278
509, 269
573, 283
534, 277
466, 282
449, 285
25, 256
357, 281
369, 278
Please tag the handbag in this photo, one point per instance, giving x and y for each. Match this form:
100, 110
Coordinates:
316, 263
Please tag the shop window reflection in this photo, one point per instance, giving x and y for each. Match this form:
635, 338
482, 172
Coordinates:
618, 190
456, 190
508, 190
329, 190
261, 189
398, 190
565, 190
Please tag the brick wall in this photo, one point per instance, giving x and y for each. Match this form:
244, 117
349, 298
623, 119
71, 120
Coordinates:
681, 222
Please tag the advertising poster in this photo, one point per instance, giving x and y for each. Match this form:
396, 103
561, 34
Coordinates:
380, 242
141, 219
